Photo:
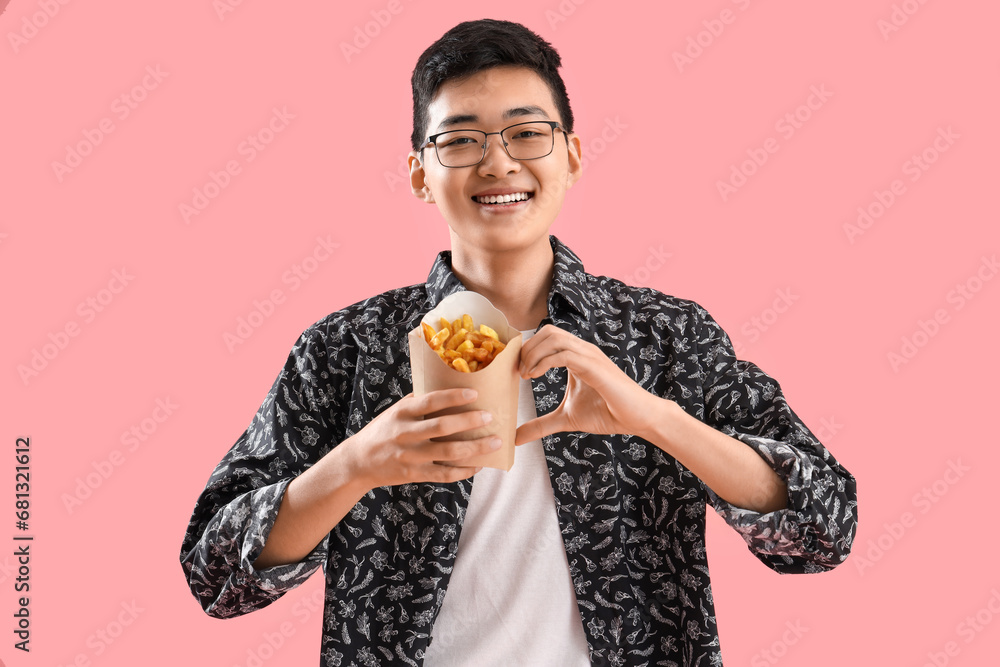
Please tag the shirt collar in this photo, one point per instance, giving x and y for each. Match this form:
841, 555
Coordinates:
568, 280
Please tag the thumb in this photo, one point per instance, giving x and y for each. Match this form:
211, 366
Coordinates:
540, 427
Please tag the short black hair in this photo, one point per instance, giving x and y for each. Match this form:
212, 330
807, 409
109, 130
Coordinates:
473, 46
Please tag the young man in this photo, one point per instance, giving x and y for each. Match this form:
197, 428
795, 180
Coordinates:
634, 415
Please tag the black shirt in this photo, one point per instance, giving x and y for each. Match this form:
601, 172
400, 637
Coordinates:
632, 517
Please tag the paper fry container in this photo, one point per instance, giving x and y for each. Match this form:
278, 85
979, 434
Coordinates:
497, 384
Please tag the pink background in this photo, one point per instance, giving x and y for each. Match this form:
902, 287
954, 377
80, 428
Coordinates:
649, 189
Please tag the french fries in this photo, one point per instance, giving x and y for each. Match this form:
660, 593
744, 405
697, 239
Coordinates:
461, 345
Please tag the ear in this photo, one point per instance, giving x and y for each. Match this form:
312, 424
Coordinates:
418, 181
574, 152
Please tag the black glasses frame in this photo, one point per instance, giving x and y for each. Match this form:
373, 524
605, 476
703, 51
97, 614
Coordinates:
486, 135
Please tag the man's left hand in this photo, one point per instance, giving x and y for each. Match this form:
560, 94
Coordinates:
599, 398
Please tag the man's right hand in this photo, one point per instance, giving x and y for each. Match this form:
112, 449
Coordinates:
401, 446
397, 447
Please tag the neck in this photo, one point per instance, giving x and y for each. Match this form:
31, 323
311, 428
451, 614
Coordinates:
517, 281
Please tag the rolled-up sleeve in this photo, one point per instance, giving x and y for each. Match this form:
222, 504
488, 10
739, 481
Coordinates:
294, 427
816, 529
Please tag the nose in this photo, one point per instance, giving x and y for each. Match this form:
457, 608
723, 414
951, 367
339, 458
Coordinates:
497, 162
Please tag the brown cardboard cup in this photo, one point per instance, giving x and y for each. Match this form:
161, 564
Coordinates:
497, 384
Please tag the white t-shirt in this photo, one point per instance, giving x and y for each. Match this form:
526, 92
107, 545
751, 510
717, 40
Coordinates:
511, 600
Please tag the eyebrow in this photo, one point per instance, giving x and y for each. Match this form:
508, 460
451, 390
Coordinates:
457, 119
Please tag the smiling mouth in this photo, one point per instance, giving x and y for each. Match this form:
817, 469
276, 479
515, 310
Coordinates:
502, 200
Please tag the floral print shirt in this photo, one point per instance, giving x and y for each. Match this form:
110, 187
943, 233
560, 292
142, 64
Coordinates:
632, 517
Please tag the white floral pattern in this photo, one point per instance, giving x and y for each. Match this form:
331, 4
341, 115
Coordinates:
632, 517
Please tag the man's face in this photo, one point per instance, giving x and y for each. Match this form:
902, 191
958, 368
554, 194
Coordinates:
490, 101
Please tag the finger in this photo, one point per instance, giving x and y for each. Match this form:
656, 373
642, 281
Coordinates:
444, 426
556, 359
443, 474
550, 330
530, 356
453, 452
540, 334
537, 428
554, 342
437, 400
540, 337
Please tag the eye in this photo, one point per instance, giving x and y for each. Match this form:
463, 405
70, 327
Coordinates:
458, 140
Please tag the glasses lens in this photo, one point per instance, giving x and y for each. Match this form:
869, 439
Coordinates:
527, 141
460, 148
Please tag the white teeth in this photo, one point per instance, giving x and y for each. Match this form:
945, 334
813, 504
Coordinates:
503, 199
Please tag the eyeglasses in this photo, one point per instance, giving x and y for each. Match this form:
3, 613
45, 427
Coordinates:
523, 141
